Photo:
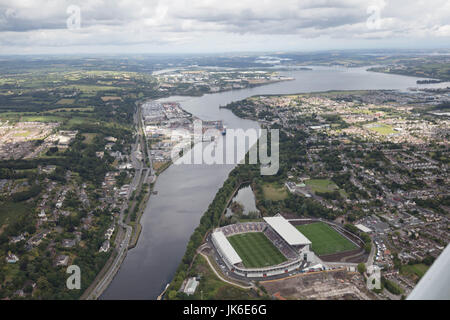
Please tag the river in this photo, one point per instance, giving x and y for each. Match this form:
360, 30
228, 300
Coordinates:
185, 191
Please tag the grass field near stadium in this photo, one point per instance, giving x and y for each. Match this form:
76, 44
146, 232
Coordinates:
325, 240
256, 250
321, 185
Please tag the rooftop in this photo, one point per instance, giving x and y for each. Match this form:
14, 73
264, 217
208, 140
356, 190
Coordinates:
363, 228
191, 286
226, 248
287, 231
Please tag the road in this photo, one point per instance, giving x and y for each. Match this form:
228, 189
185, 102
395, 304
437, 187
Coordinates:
105, 281
122, 242
220, 276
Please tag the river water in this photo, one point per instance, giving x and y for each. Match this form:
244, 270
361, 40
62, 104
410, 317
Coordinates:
185, 191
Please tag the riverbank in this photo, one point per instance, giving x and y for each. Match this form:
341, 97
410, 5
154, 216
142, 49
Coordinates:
210, 220
136, 225
416, 73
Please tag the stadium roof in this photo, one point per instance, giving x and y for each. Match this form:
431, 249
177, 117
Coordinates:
287, 231
226, 248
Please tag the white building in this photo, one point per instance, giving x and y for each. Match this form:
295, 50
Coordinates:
12, 258
287, 231
105, 246
191, 286
363, 228
225, 249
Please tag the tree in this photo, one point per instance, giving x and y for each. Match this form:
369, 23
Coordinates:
361, 268
172, 294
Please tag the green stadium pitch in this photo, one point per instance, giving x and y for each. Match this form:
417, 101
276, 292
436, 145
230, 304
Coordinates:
325, 240
255, 250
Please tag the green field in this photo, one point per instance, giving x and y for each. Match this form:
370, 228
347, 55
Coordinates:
89, 137
324, 185
79, 120
381, 128
66, 101
256, 250
325, 240
321, 185
38, 118
274, 192
11, 212
417, 269
22, 134
211, 287
90, 90
82, 109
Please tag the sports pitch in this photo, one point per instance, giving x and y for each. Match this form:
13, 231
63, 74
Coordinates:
256, 250
321, 185
325, 240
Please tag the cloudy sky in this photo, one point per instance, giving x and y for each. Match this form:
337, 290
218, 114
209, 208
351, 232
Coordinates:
172, 26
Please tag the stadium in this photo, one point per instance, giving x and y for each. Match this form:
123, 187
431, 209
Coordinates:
277, 246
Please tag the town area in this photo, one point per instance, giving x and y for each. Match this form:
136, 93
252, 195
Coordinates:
374, 163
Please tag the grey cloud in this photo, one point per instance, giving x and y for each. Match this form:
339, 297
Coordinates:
172, 22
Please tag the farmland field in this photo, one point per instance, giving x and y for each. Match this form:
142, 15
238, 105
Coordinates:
37, 118
90, 89
66, 101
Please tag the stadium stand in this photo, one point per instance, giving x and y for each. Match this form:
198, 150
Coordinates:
233, 261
